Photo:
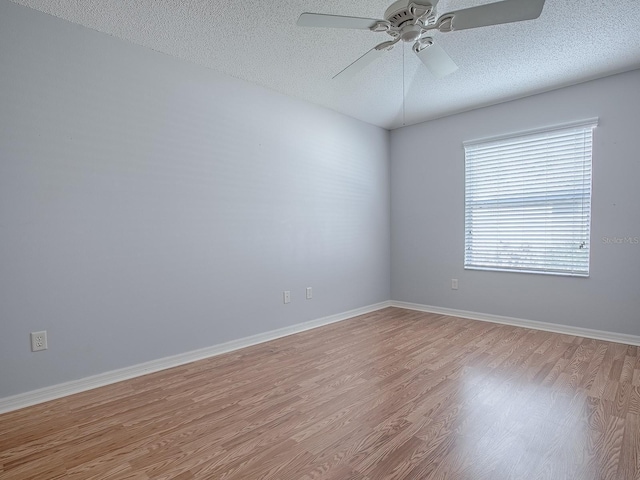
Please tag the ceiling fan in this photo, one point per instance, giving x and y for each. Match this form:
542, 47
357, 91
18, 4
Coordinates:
412, 20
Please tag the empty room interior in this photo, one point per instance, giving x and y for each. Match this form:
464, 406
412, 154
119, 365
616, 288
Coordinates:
320, 240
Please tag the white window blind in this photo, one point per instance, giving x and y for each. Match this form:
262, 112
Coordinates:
528, 201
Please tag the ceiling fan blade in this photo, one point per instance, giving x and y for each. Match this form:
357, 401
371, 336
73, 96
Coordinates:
357, 66
437, 61
335, 21
496, 13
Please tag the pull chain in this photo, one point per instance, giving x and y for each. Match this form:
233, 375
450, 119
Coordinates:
403, 92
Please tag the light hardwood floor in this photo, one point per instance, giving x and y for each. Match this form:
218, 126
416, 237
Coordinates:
390, 395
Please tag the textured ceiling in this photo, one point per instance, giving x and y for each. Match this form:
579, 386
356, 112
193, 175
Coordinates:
258, 41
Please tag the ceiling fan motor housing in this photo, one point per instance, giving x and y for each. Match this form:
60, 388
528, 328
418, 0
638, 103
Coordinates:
408, 11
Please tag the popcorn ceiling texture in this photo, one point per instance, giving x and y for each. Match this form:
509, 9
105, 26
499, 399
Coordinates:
258, 41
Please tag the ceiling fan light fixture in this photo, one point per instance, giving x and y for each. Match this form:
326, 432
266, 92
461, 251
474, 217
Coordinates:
410, 33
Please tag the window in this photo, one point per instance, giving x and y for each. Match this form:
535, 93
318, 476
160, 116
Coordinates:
528, 201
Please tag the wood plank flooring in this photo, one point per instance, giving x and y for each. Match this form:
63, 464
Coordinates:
394, 394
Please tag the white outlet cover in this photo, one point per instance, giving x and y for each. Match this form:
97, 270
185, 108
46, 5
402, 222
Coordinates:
309, 293
286, 296
39, 341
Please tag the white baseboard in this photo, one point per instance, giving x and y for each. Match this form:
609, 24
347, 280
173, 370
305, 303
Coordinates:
53, 392
518, 322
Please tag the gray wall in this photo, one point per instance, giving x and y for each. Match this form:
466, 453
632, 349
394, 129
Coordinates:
427, 212
150, 207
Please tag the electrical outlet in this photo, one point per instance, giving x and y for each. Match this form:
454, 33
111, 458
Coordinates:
38, 341
286, 295
454, 284
309, 293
